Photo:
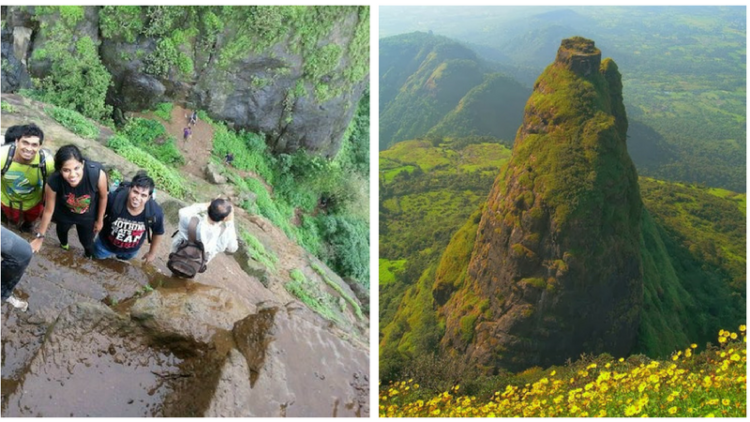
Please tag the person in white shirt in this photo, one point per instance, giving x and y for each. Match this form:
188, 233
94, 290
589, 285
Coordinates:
215, 227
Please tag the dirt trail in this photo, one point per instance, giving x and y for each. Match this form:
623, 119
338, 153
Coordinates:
197, 149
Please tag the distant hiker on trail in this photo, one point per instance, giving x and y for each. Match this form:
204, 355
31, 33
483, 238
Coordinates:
76, 195
186, 133
16, 254
131, 213
205, 229
25, 166
193, 118
229, 158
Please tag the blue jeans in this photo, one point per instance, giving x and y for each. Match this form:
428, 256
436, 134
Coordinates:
101, 251
16, 253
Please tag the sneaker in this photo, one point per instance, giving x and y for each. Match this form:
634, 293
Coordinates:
18, 303
65, 247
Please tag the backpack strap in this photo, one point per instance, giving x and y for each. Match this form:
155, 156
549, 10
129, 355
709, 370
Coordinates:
119, 201
9, 158
192, 228
150, 218
93, 169
43, 169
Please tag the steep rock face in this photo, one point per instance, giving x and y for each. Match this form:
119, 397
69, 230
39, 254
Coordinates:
556, 270
15, 43
294, 75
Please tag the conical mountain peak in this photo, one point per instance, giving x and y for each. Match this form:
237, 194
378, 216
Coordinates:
556, 263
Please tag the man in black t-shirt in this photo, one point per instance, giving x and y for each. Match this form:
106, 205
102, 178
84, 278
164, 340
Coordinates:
130, 212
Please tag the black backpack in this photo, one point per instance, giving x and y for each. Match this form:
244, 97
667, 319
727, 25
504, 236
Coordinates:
120, 200
94, 169
189, 259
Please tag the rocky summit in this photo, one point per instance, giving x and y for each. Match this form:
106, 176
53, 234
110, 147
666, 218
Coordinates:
555, 269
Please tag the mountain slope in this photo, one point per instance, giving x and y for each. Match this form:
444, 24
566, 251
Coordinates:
430, 81
493, 108
688, 241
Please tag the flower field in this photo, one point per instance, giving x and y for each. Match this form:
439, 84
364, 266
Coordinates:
706, 384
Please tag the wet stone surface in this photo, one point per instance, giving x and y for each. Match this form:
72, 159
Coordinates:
110, 338
93, 363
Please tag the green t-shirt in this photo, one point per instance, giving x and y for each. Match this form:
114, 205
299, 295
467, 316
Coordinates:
23, 182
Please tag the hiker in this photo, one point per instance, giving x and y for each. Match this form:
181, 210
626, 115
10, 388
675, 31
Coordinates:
131, 213
229, 158
186, 133
76, 195
193, 118
25, 166
209, 224
16, 254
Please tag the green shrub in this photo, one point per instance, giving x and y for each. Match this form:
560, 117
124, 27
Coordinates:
77, 79
152, 137
308, 293
257, 251
164, 110
339, 290
348, 240
249, 149
121, 22
74, 121
7, 107
467, 327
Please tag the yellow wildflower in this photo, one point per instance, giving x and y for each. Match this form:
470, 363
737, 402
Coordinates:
735, 357
630, 410
672, 410
725, 402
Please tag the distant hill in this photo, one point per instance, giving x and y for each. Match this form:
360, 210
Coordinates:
684, 73
493, 108
429, 84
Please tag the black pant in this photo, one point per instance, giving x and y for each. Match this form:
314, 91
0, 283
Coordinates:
16, 253
85, 235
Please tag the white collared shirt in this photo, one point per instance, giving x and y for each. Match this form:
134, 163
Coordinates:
214, 241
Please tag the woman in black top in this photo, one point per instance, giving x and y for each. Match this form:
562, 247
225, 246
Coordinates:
76, 195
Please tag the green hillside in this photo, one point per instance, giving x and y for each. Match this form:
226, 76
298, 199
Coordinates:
431, 84
691, 289
426, 193
493, 108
